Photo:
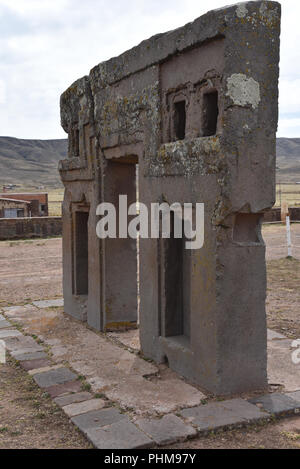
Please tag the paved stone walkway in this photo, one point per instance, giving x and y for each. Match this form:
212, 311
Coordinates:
103, 417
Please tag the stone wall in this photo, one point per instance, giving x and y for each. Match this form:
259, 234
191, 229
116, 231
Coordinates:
27, 228
38, 202
274, 215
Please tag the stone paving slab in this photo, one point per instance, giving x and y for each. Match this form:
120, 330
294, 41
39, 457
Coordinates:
281, 369
130, 338
44, 369
277, 404
9, 334
223, 414
58, 303
273, 335
295, 396
29, 356
23, 351
10, 310
73, 398
63, 389
167, 430
20, 343
54, 377
4, 324
245, 409
122, 378
154, 397
16, 352
15, 311
120, 435
91, 405
99, 418
35, 364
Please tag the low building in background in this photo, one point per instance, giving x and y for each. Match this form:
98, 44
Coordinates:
37, 205
10, 208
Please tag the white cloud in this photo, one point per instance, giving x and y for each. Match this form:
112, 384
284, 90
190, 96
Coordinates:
47, 44
289, 128
2, 92
289, 94
31, 8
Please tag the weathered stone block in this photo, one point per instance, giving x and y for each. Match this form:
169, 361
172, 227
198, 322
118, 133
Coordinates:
197, 110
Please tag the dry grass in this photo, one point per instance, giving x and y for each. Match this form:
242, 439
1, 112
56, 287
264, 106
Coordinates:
284, 297
289, 193
29, 419
55, 198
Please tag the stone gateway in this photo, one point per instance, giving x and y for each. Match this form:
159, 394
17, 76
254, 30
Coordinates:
196, 111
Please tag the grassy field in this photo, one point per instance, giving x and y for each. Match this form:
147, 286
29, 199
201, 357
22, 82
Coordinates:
289, 193
284, 192
55, 198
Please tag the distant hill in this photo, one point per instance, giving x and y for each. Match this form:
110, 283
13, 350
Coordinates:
33, 163
288, 160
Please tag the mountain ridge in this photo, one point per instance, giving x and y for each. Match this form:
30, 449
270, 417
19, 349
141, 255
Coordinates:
33, 163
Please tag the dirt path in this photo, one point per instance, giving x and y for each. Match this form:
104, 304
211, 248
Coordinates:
283, 301
275, 237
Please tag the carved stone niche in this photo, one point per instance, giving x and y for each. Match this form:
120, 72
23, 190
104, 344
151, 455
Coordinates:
193, 110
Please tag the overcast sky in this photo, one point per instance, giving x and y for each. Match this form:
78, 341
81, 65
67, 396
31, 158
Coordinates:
45, 45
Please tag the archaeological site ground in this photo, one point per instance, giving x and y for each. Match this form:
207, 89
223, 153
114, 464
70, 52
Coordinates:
112, 341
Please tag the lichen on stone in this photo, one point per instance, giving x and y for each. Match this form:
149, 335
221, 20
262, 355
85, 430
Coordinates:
243, 90
241, 11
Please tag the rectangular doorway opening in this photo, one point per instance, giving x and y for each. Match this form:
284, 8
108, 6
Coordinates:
179, 120
177, 285
121, 254
81, 250
210, 113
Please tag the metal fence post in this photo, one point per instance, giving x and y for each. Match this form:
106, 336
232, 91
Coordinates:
289, 237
